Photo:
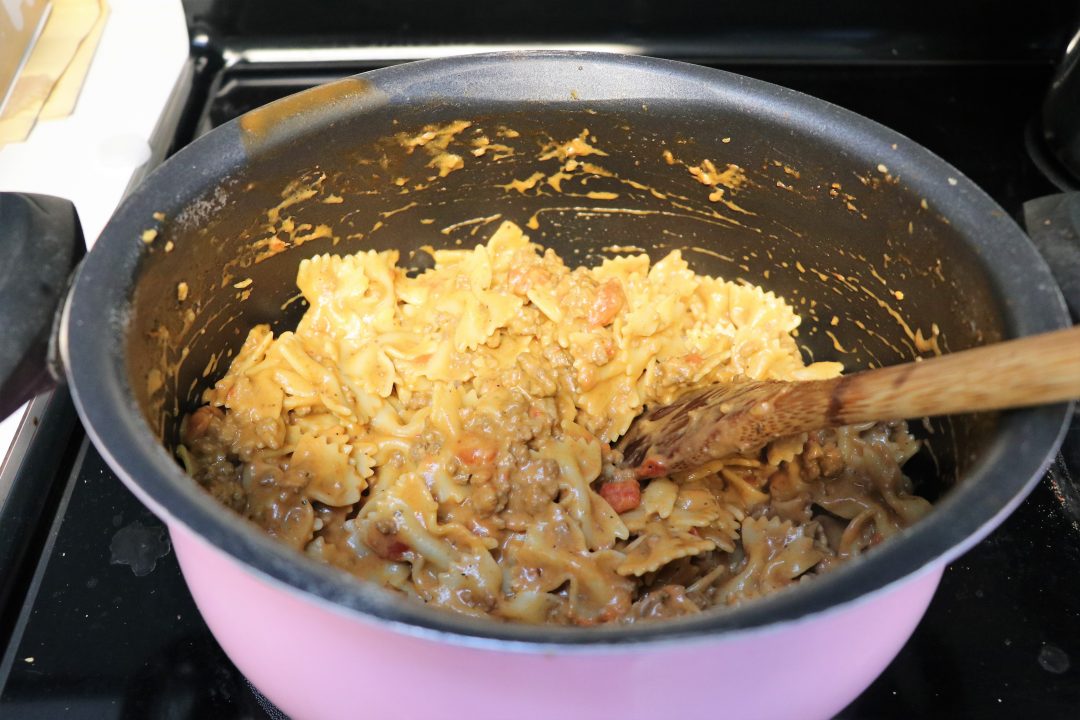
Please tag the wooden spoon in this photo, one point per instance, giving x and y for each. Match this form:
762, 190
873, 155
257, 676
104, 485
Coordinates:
716, 421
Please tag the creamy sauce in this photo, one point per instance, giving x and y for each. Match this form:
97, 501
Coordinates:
446, 436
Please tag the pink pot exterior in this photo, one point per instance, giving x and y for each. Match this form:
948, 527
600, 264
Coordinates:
315, 662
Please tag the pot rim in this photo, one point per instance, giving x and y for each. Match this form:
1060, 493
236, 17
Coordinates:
1025, 441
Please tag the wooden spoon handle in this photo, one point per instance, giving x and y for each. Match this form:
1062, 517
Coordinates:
1029, 371
717, 420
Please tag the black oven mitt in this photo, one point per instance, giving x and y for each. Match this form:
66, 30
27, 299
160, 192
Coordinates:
40, 243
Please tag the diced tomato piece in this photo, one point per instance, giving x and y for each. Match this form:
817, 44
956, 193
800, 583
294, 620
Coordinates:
522, 278
622, 495
397, 550
199, 422
387, 546
474, 451
609, 301
652, 467
516, 279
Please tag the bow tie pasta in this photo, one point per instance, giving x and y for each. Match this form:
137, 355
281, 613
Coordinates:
448, 436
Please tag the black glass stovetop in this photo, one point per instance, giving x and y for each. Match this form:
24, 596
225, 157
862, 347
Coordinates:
98, 622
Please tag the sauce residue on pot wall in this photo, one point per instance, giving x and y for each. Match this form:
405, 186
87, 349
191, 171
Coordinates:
262, 127
574, 168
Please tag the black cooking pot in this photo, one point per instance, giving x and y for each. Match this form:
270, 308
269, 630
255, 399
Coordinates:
845, 219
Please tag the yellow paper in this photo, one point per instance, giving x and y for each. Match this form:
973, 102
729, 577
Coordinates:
65, 93
67, 26
20, 25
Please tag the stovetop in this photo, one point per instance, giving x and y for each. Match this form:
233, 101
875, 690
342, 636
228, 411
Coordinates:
98, 623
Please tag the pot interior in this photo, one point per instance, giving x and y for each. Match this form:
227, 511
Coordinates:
877, 272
